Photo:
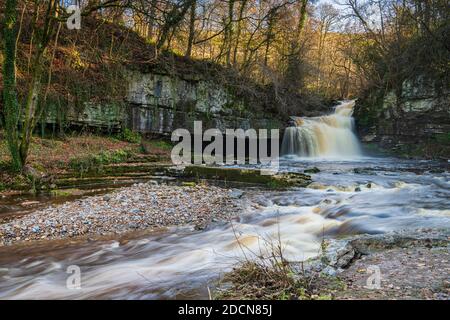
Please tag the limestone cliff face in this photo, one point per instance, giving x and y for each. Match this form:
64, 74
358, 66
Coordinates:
417, 114
160, 103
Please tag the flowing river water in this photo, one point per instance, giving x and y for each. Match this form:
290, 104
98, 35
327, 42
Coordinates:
350, 195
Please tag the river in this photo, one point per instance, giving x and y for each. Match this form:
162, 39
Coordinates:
349, 196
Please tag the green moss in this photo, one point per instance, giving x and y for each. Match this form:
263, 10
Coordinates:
443, 138
368, 109
312, 170
64, 192
189, 184
130, 136
324, 297
248, 176
97, 161
161, 144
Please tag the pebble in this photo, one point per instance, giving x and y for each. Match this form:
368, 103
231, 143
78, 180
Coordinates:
127, 209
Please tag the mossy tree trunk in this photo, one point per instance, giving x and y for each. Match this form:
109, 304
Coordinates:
19, 139
11, 110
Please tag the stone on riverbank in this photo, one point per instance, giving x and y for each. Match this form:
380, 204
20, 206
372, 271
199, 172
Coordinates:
253, 176
312, 170
143, 206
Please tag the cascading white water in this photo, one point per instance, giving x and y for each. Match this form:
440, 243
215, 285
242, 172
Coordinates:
328, 136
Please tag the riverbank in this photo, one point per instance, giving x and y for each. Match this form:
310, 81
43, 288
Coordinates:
53, 162
395, 265
143, 206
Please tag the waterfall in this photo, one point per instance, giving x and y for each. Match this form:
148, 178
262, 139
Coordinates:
330, 136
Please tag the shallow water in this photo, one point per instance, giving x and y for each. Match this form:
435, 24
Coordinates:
366, 195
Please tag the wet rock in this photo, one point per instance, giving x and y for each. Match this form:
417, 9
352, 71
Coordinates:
236, 193
329, 271
437, 170
36, 229
364, 171
312, 170
338, 254
253, 176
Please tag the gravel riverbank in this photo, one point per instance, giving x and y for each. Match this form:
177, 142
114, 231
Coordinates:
139, 207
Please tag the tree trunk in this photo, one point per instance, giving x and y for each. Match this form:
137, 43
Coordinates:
191, 29
151, 20
11, 106
239, 30
31, 113
229, 32
302, 19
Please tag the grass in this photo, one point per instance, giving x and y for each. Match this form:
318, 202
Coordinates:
54, 155
252, 280
161, 144
267, 275
161, 147
81, 153
95, 162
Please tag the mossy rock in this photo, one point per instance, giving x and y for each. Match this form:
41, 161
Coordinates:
312, 170
253, 176
65, 192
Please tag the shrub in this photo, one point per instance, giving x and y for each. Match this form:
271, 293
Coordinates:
95, 162
130, 136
